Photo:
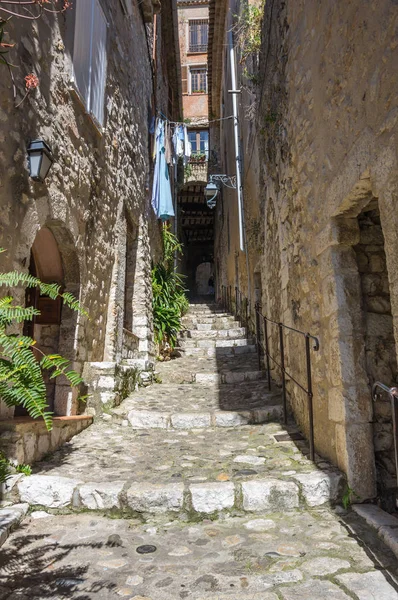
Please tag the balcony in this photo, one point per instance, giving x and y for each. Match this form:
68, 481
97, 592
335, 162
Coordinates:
196, 169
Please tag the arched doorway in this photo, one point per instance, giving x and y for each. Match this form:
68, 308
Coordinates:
196, 231
55, 328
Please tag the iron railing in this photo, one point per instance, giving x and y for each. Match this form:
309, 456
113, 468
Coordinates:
241, 308
393, 394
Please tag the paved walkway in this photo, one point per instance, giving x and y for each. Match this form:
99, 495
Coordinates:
306, 555
199, 473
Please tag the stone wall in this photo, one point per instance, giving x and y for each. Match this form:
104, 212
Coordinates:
325, 128
25, 441
101, 177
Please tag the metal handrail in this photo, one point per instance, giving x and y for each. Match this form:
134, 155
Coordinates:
393, 394
262, 323
264, 348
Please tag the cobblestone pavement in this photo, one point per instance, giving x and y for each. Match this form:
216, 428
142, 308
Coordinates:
107, 452
193, 508
306, 555
181, 370
172, 398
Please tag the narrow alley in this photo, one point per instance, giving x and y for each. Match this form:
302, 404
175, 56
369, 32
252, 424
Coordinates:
199, 300
201, 495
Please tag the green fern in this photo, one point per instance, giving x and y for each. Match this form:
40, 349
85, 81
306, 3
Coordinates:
21, 373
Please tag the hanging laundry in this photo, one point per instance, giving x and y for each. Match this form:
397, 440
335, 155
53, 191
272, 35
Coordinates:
169, 151
187, 146
178, 141
162, 200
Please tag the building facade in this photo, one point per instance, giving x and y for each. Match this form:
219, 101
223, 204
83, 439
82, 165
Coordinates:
318, 127
105, 70
195, 220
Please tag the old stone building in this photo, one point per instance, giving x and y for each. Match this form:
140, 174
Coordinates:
105, 70
318, 157
195, 220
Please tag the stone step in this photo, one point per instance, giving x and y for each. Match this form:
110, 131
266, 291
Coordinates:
220, 368
185, 406
208, 320
214, 343
219, 350
235, 333
201, 473
217, 326
212, 376
188, 398
145, 419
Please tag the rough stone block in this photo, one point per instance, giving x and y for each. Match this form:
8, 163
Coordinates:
153, 498
210, 497
269, 494
47, 490
389, 536
368, 586
375, 516
313, 589
319, 487
97, 496
231, 419
10, 518
207, 378
232, 377
190, 420
106, 382
148, 419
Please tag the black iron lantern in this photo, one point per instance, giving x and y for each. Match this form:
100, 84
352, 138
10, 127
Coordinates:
40, 160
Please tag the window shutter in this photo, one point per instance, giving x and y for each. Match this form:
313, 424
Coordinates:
98, 63
81, 49
184, 78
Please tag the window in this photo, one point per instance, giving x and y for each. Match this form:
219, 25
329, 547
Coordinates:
199, 143
199, 80
89, 56
198, 35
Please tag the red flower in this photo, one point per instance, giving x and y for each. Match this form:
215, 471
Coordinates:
31, 81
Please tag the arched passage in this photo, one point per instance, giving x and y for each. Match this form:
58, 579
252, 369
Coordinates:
54, 259
196, 231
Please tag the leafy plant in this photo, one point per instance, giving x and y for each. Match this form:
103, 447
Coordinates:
25, 469
347, 497
169, 300
21, 362
248, 30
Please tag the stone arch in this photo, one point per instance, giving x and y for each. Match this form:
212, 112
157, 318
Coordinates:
55, 260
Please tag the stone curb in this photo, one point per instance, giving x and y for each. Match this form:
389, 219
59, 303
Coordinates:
10, 518
385, 524
148, 419
252, 496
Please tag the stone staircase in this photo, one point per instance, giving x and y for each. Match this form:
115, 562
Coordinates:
203, 442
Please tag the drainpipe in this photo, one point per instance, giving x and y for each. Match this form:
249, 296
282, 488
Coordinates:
236, 138
239, 188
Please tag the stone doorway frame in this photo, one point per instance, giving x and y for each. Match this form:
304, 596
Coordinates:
349, 399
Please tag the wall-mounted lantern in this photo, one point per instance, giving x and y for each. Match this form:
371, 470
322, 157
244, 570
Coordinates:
212, 188
40, 160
